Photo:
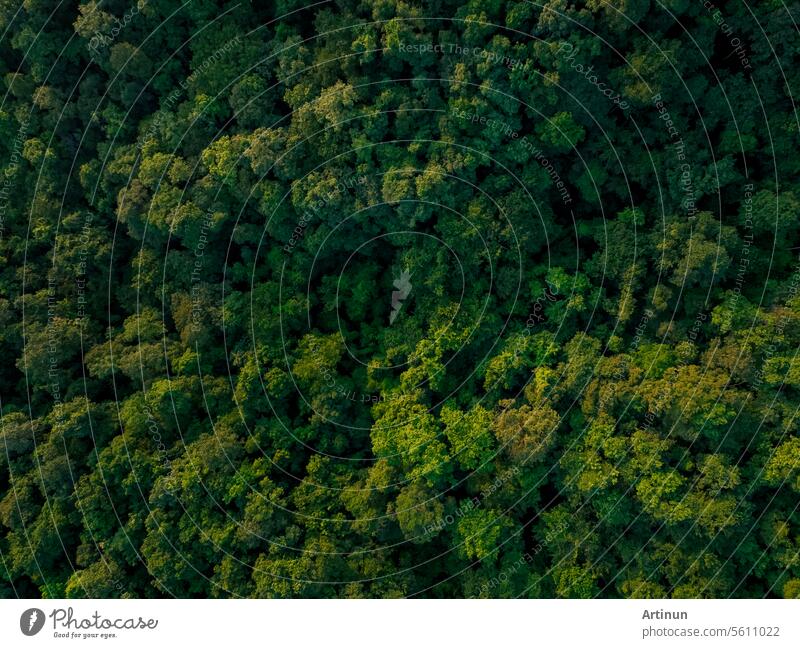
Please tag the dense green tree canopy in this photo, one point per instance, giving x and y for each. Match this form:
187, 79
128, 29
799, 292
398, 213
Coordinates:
475, 298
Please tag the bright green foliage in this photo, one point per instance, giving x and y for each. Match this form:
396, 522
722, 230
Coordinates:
455, 298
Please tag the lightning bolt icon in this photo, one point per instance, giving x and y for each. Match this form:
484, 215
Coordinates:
403, 286
32, 620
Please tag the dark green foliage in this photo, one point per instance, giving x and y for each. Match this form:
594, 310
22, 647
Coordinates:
390, 299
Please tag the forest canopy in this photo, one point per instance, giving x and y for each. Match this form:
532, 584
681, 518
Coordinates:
485, 298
